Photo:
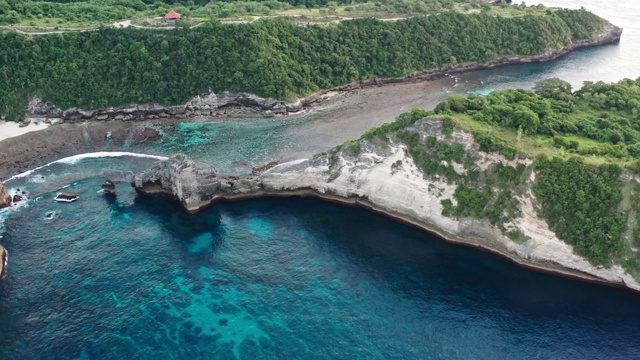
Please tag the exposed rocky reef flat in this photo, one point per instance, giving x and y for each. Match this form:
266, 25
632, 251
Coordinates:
384, 178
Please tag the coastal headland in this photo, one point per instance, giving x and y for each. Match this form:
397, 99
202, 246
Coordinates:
385, 180
246, 104
105, 125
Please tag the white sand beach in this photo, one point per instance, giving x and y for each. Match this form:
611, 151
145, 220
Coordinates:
9, 129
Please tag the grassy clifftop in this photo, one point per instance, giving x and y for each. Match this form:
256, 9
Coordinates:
573, 153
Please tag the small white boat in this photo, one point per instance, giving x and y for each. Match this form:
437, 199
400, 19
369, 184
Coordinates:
66, 197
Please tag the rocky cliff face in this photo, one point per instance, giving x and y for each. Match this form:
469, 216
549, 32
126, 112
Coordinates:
5, 201
5, 198
386, 180
209, 104
194, 184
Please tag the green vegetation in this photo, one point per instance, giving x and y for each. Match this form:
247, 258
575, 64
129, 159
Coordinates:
590, 201
73, 13
271, 58
579, 203
582, 141
480, 193
599, 119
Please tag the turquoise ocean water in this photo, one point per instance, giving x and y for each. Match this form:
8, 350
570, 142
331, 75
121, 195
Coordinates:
138, 278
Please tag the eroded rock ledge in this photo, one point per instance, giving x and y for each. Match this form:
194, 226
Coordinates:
384, 180
244, 104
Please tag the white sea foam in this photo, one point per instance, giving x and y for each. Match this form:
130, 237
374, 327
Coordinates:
37, 179
74, 159
5, 212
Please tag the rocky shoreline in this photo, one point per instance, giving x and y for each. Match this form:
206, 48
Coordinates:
401, 192
244, 104
25, 157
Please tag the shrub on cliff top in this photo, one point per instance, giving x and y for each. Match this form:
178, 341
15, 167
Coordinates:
579, 203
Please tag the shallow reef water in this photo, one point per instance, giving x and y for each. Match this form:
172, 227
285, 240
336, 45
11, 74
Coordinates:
233, 144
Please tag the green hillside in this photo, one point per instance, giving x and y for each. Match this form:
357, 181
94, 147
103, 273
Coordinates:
585, 148
71, 13
271, 58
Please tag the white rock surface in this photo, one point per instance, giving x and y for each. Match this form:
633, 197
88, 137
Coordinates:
387, 180
406, 193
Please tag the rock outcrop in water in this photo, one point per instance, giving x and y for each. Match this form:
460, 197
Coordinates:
386, 180
5, 198
4, 257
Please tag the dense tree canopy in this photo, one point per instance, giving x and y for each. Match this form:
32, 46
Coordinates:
273, 58
579, 203
582, 203
50, 12
606, 113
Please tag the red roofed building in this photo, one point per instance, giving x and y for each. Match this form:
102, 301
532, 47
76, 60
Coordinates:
172, 16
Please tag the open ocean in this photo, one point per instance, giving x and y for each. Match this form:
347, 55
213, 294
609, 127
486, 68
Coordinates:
138, 278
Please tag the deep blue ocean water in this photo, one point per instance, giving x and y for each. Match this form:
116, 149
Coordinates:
138, 278
274, 278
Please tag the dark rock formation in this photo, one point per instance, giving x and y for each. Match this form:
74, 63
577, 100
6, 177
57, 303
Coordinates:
4, 259
116, 176
194, 184
109, 187
209, 104
17, 198
5, 198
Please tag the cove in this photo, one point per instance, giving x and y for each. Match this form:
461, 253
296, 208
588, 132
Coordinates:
281, 278
294, 278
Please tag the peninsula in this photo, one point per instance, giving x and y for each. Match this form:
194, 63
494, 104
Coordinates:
558, 203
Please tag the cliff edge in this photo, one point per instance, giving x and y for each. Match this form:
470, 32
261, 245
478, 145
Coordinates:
383, 177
